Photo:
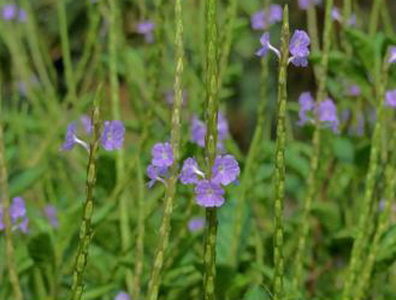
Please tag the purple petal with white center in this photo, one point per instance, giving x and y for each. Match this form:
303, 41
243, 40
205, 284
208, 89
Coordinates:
162, 155
209, 194
113, 135
392, 54
70, 139
307, 104
275, 14
190, 171
299, 44
264, 41
225, 170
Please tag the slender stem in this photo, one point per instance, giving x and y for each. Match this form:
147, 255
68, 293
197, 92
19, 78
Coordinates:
86, 228
387, 21
278, 292
298, 278
358, 248
374, 17
70, 80
313, 27
155, 280
113, 48
12, 270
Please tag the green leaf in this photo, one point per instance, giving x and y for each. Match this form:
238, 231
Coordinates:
22, 181
257, 293
41, 250
343, 150
386, 254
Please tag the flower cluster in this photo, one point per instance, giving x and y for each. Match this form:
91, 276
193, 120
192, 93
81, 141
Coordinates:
390, 98
210, 192
304, 4
18, 214
10, 12
146, 28
260, 20
326, 111
162, 159
298, 47
198, 131
112, 136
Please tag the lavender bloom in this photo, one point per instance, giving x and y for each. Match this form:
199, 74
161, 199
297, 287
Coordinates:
260, 20
146, 28
222, 127
9, 12
18, 215
22, 15
354, 90
276, 14
156, 173
390, 98
209, 194
190, 171
336, 15
392, 54
113, 135
307, 104
122, 296
196, 224
51, 214
162, 155
257, 21
299, 44
198, 131
264, 41
225, 170
299, 61
71, 138
87, 124
327, 113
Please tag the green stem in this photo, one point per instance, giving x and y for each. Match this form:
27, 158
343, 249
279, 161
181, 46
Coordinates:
70, 80
86, 228
364, 217
278, 292
312, 176
374, 17
155, 279
12, 270
312, 25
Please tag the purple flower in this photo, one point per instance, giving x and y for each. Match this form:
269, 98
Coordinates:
307, 104
257, 20
327, 113
222, 127
190, 171
299, 61
299, 44
392, 54
18, 215
196, 224
264, 41
275, 14
9, 12
198, 131
156, 173
122, 296
390, 98
71, 138
87, 124
113, 135
352, 20
304, 4
209, 194
336, 15
52, 215
146, 28
225, 170
354, 90
22, 15
162, 155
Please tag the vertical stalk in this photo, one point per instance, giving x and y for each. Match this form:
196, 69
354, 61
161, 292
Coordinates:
12, 270
155, 279
358, 247
70, 81
364, 217
312, 25
374, 17
212, 108
280, 160
311, 180
252, 154
113, 48
86, 228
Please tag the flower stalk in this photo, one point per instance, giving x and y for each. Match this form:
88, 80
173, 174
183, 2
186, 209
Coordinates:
311, 180
278, 292
155, 279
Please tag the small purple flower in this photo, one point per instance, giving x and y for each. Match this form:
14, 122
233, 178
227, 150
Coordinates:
299, 61
156, 173
327, 113
222, 127
354, 90
257, 20
209, 194
276, 14
392, 54
307, 104
113, 135
299, 44
52, 215
71, 138
87, 124
9, 12
225, 170
304, 4
146, 28
162, 155
22, 15
18, 215
336, 15
190, 171
122, 296
390, 98
352, 20
265, 42
198, 131
196, 224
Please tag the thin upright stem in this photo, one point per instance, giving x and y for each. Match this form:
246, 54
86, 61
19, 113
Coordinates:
304, 224
374, 17
278, 292
155, 279
5, 202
